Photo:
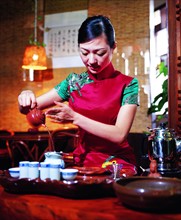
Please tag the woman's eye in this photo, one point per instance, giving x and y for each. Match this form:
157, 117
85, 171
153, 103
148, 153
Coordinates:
84, 53
101, 54
98, 53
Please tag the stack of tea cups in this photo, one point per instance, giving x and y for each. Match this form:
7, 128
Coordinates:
44, 170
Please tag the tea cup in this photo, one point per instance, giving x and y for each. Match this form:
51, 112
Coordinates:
14, 172
69, 173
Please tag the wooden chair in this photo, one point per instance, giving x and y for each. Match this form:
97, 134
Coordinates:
65, 141
139, 142
5, 153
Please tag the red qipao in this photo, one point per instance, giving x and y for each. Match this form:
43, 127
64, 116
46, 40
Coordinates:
99, 100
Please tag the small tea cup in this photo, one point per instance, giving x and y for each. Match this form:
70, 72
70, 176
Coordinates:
69, 173
14, 172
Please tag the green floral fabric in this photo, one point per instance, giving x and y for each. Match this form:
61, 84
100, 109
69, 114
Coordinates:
76, 81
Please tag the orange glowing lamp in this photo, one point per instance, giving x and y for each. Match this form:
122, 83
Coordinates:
35, 58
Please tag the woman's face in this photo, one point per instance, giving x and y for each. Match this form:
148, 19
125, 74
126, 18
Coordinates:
96, 54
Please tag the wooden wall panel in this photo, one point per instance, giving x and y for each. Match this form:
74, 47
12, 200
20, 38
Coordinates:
130, 19
174, 88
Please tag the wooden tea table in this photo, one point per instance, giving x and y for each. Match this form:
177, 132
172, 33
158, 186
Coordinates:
48, 207
33, 145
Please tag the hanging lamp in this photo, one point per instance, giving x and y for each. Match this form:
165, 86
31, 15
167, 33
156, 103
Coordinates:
35, 54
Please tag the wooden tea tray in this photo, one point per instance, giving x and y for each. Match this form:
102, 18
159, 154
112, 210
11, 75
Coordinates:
81, 188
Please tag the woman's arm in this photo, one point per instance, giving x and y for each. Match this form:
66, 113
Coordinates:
27, 100
115, 133
48, 99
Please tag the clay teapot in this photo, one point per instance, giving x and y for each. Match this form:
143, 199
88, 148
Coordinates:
36, 117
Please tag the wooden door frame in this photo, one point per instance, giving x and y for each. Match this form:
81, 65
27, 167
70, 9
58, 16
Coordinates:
174, 54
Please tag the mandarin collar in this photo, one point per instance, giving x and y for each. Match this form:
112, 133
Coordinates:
108, 72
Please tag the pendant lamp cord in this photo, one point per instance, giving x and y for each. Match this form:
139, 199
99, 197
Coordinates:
35, 23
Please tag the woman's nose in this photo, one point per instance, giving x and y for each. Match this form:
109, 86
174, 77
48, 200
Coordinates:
92, 59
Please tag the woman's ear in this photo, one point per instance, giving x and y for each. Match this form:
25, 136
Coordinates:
114, 48
115, 45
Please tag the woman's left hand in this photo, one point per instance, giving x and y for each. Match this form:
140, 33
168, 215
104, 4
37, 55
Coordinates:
62, 112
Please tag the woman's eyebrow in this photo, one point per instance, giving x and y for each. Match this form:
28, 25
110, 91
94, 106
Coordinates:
93, 50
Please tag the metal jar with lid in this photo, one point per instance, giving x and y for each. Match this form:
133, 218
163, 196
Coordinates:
162, 147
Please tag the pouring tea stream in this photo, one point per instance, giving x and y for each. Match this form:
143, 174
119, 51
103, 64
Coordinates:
37, 118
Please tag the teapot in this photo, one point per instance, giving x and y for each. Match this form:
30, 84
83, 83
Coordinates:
163, 146
54, 157
35, 117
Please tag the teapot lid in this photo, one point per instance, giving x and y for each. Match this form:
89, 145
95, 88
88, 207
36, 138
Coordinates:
162, 126
52, 153
163, 131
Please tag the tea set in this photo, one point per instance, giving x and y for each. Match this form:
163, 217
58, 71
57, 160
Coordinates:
37, 118
164, 146
164, 151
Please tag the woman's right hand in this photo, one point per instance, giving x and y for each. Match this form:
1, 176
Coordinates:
27, 101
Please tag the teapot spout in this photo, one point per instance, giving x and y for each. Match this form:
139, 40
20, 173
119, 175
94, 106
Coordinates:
47, 154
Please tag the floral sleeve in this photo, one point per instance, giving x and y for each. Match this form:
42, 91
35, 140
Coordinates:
74, 82
130, 95
62, 88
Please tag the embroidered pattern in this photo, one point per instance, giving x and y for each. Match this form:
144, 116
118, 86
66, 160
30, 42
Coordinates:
76, 81
132, 99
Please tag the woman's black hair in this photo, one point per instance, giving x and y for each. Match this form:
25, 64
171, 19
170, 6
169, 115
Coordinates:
95, 26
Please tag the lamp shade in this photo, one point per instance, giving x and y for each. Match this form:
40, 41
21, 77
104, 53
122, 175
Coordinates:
34, 58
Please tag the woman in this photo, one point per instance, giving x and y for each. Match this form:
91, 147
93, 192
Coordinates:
102, 101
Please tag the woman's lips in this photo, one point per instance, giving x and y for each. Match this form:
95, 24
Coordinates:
93, 68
